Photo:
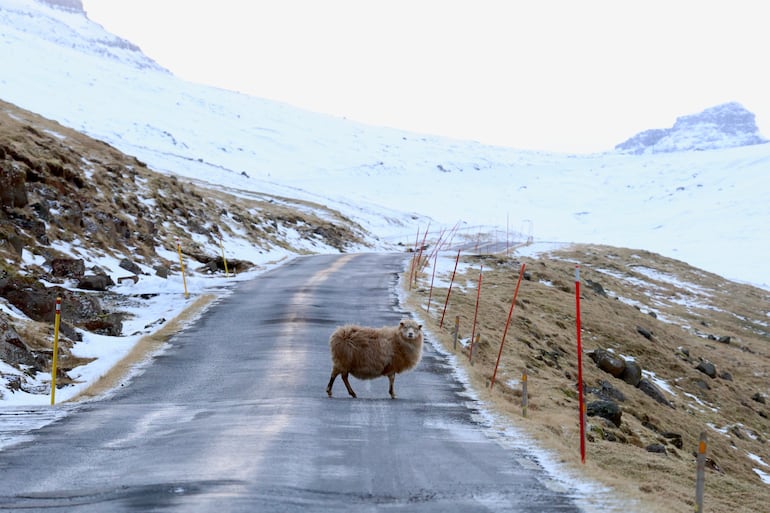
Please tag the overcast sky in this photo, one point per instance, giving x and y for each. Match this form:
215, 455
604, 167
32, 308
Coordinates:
555, 75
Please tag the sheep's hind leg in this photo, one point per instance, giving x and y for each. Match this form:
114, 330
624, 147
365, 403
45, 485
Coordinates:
347, 384
331, 382
392, 379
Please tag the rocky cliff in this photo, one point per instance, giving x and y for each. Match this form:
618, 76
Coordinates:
724, 126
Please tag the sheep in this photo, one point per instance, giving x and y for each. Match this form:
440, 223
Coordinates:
369, 353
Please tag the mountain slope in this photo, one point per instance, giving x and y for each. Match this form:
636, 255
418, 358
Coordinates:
78, 216
387, 180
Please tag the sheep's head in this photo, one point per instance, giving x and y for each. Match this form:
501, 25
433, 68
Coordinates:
409, 329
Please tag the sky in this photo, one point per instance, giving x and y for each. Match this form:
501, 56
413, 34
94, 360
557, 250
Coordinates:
556, 75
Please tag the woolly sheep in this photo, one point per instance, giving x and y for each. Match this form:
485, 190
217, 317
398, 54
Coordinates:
369, 353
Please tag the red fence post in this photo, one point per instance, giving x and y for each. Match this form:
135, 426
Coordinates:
446, 302
581, 400
475, 314
507, 323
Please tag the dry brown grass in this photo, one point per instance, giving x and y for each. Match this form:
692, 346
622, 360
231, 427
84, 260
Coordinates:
689, 306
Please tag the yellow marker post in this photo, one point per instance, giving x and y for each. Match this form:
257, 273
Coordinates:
181, 264
700, 472
524, 400
227, 275
55, 349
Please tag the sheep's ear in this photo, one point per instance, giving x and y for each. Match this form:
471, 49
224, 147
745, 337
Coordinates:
419, 326
401, 324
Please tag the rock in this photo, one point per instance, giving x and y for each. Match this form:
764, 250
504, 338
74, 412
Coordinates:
596, 287
13, 191
608, 392
652, 391
98, 282
702, 384
608, 362
161, 271
758, 397
110, 325
632, 374
656, 448
644, 332
724, 340
15, 352
68, 268
707, 368
130, 266
605, 409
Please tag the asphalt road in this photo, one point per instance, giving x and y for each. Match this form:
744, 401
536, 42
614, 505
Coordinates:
234, 417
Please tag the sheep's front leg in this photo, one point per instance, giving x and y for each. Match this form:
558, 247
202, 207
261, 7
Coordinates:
392, 379
347, 384
331, 382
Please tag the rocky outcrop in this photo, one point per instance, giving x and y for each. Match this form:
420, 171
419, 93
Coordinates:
724, 126
66, 5
14, 351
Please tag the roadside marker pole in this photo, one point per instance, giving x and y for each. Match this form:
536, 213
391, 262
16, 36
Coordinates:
56, 323
181, 264
446, 302
507, 323
457, 331
581, 400
475, 314
227, 275
432, 278
414, 258
700, 479
524, 400
419, 254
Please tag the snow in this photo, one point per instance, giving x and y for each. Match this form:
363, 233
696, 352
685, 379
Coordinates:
707, 208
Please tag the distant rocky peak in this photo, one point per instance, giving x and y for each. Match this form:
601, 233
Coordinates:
723, 126
66, 5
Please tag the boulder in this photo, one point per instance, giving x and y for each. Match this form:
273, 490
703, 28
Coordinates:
130, 266
15, 352
13, 192
98, 282
608, 362
607, 392
68, 268
110, 325
656, 448
707, 368
632, 373
644, 332
605, 409
652, 391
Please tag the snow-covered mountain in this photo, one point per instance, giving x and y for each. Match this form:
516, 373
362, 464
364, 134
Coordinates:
725, 126
707, 208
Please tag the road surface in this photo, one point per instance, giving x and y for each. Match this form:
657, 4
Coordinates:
234, 417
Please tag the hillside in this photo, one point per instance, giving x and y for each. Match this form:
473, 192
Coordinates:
695, 347
77, 217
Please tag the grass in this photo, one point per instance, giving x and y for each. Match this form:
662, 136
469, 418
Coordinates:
687, 311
